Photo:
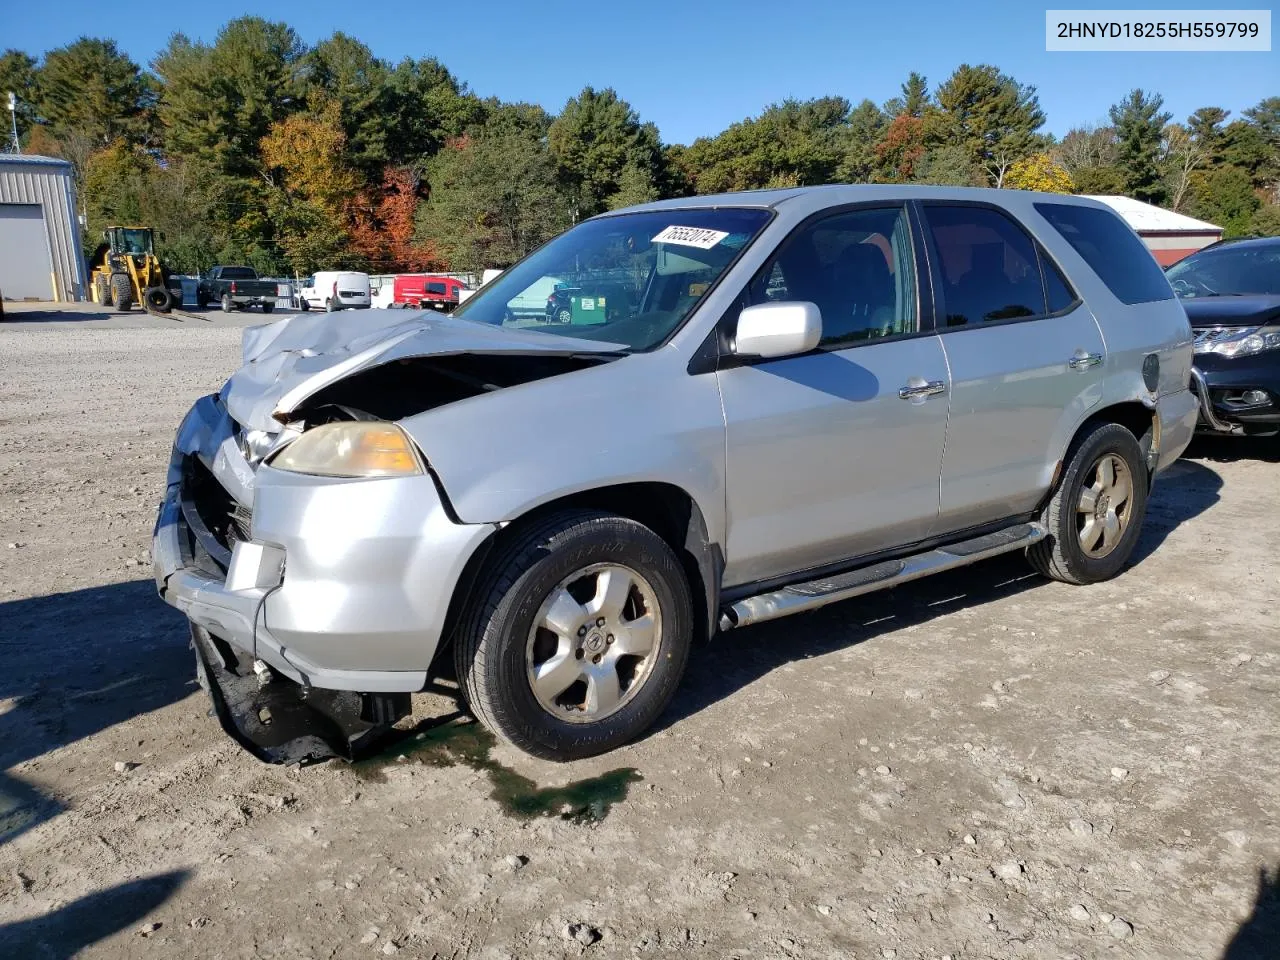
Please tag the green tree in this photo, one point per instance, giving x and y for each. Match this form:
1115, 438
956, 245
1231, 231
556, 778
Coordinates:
635, 186
947, 165
219, 101
914, 100
1266, 221
1224, 196
1205, 127
493, 198
18, 76
424, 106
1245, 145
344, 71
992, 116
793, 142
596, 136
866, 126
90, 89
1139, 125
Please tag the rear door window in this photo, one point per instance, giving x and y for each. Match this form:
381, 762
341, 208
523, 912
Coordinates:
989, 268
1111, 249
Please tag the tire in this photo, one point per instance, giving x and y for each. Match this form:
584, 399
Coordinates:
121, 292
564, 315
101, 290
1062, 555
328, 305
228, 305
500, 639
303, 305
268, 307
157, 299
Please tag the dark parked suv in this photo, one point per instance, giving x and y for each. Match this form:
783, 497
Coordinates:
1231, 292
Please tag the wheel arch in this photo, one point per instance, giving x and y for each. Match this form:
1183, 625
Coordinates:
666, 509
1135, 416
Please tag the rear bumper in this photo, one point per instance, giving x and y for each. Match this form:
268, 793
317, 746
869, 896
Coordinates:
1177, 414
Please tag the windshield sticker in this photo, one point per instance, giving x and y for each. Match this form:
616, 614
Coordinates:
699, 237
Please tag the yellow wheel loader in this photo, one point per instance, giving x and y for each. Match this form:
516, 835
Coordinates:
125, 270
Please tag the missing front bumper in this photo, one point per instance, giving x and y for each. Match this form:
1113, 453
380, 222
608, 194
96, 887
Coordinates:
282, 721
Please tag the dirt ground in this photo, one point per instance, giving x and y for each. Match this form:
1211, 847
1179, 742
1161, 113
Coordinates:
982, 764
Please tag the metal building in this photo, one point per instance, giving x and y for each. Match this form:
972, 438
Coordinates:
40, 255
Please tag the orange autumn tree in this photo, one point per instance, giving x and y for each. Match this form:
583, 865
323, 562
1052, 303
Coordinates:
384, 226
312, 189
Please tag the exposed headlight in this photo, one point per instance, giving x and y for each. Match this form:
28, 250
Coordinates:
357, 449
1244, 343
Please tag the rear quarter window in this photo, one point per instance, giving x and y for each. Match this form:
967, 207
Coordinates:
1111, 249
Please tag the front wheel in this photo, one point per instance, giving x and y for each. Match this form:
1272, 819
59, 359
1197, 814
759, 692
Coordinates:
577, 637
1095, 515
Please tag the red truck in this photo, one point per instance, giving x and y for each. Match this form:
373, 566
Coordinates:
422, 291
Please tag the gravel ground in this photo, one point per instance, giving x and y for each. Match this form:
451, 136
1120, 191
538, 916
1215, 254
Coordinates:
982, 764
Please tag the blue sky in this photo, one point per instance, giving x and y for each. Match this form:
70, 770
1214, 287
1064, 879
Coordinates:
695, 67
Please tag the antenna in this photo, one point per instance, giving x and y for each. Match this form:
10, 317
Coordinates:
14, 146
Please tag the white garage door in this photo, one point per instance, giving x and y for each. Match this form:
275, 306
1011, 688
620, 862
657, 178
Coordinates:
25, 264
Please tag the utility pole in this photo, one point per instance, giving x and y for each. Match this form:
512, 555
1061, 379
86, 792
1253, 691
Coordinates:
14, 146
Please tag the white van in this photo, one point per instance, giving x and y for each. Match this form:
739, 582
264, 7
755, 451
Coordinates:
331, 290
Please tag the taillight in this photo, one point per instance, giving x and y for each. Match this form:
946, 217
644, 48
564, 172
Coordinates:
233, 286
335, 289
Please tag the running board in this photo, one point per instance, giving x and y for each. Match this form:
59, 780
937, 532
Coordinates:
799, 597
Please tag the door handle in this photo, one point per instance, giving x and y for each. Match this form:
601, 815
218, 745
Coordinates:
926, 388
1083, 361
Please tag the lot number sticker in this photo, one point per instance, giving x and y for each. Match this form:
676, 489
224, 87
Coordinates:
699, 237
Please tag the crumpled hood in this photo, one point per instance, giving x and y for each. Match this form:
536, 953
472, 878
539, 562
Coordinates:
1234, 311
287, 361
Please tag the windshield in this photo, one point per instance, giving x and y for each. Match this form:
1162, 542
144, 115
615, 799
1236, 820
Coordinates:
1228, 271
134, 241
629, 279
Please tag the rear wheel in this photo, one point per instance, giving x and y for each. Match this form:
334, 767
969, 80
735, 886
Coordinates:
329, 306
121, 292
227, 303
268, 307
577, 637
1095, 515
563, 315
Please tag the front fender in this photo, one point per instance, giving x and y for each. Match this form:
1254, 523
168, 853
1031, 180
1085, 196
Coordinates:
643, 418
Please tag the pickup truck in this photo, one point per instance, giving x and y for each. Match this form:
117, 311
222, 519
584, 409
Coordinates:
236, 288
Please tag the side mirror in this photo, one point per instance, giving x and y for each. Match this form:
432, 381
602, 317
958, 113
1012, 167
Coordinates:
782, 329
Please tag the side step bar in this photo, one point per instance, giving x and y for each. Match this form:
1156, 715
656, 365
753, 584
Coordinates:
799, 597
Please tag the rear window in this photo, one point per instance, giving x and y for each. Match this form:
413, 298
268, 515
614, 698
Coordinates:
1114, 252
239, 273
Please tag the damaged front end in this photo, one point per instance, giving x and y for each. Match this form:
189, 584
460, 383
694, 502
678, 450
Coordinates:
281, 721
318, 601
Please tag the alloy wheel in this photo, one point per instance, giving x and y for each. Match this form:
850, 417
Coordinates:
593, 643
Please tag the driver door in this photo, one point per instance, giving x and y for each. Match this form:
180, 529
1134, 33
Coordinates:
837, 453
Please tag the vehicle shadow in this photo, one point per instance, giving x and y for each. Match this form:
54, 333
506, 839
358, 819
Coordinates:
66, 931
1233, 449
1259, 935
77, 663
1187, 490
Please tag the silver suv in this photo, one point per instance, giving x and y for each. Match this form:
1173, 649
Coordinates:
799, 396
